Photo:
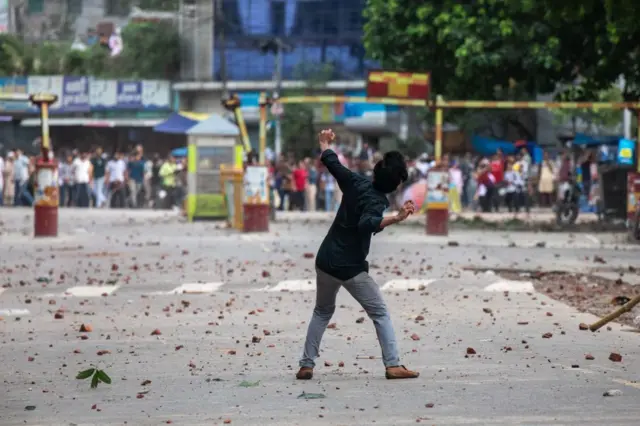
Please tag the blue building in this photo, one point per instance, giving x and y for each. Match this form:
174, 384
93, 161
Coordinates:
318, 32
324, 41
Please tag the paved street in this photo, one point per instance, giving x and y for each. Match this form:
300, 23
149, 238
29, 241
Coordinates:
201, 325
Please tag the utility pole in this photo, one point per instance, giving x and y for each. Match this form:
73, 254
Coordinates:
219, 23
276, 94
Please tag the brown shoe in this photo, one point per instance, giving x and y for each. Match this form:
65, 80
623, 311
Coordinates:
400, 372
305, 373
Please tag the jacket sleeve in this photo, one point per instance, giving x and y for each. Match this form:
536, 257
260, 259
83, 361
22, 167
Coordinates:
342, 175
371, 217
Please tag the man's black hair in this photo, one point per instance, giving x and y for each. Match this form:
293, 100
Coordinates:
390, 172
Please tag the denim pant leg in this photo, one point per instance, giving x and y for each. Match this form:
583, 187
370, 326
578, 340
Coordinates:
329, 200
17, 193
326, 290
367, 292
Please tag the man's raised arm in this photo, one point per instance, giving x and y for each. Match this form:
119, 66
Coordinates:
331, 161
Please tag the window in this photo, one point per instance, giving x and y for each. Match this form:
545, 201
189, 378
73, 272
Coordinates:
35, 6
74, 7
278, 18
116, 7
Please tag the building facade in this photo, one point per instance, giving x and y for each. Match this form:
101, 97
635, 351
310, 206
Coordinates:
318, 33
322, 41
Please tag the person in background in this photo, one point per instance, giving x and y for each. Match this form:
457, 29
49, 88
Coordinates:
329, 183
115, 179
486, 186
21, 176
135, 173
565, 174
455, 187
284, 182
99, 165
148, 175
65, 178
300, 177
181, 183
82, 178
156, 181
311, 191
466, 167
523, 190
585, 168
168, 175
510, 186
8, 178
497, 170
546, 181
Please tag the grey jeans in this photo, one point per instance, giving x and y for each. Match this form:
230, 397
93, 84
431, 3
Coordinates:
366, 292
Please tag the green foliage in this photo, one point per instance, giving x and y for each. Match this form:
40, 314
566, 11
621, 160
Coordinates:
14, 56
483, 49
96, 376
594, 119
298, 132
151, 51
298, 121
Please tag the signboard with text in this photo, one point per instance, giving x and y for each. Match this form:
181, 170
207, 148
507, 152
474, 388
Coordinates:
72, 91
139, 95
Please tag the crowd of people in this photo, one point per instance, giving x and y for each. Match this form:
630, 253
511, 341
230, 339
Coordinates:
133, 180
499, 182
95, 179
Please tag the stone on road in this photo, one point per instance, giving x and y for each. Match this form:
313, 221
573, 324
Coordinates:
200, 325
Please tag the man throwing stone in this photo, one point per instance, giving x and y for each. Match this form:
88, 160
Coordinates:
341, 259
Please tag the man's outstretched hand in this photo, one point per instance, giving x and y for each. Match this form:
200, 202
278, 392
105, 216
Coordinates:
325, 138
407, 209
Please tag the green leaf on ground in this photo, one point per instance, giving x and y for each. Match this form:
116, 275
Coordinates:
94, 381
85, 374
103, 377
246, 384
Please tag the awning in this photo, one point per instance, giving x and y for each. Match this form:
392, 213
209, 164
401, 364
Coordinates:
179, 122
92, 122
214, 125
179, 152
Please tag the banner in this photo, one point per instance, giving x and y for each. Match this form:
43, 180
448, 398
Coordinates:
72, 92
10, 85
626, 152
140, 95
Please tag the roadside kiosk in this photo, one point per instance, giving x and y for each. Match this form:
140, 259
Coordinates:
211, 143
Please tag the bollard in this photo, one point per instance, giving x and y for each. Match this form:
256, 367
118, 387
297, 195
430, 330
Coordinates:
437, 202
256, 199
45, 217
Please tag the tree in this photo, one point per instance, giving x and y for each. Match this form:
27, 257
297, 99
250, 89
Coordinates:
14, 58
510, 49
474, 49
592, 121
151, 50
298, 121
